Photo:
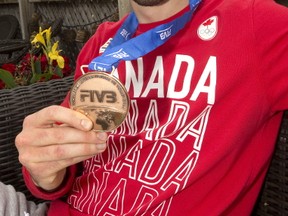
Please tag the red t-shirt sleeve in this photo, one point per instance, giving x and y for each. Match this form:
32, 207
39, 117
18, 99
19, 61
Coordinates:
61, 191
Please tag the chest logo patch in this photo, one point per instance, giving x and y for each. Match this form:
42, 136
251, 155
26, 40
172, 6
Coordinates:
208, 29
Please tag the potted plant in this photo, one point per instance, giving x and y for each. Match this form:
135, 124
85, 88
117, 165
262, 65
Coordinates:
43, 62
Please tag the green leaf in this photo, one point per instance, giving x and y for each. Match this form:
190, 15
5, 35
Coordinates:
58, 71
37, 65
35, 78
47, 76
7, 78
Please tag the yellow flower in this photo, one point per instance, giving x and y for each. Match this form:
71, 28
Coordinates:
47, 33
39, 39
54, 55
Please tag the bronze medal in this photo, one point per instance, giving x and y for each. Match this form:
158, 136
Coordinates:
102, 98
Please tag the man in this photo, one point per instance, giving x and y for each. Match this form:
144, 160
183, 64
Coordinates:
206, 103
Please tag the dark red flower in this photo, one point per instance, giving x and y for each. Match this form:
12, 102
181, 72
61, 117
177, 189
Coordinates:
44, 62
9, 67
67, 68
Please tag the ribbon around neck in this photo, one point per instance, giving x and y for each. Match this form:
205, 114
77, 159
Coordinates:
126, 47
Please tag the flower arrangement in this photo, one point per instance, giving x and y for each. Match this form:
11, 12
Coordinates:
41, 66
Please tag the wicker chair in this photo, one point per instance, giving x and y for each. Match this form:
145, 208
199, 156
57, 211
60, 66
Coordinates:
15, 104
11, 47
12, 50
9, 26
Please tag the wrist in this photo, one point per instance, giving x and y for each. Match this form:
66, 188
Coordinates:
52, 183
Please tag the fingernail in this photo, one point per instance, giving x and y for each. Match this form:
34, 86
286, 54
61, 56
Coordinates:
86, 124
102, 136
101, 147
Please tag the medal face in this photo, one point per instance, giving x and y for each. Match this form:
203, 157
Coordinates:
102, 98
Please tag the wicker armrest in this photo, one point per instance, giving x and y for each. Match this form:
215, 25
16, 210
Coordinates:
11, 51
15, 104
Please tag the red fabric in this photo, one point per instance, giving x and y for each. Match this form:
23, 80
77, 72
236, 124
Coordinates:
58, 208
203, 118
38, 192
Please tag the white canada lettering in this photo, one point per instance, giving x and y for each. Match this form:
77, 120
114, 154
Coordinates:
153, 176
131, 158
209, 73
151, 120
162, 151
196, 128
131, 78
115, 200
206, 85
157, 74
145, 195
180, 60
177, 116
151, 156
180, 176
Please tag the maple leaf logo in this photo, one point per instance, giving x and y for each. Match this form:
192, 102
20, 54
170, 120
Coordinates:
208, 29
208, 22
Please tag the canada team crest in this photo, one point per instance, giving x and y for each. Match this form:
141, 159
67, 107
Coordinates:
208, 29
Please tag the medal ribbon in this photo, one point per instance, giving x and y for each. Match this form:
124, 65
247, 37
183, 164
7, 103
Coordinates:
124, 47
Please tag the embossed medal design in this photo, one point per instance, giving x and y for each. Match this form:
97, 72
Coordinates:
102, 98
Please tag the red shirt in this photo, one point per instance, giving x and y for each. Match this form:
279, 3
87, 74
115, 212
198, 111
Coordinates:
204, 115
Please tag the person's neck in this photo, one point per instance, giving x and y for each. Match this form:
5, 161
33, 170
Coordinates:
158, 13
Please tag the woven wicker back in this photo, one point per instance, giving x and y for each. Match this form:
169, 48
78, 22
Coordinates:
15, 104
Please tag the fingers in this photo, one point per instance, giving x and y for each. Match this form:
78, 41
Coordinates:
61, 152
46, 149
48, 116
60, 143
58, 135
